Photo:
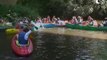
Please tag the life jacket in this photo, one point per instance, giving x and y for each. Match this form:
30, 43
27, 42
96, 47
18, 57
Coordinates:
21, 38
95, 23
71, 21
85, 23
74, 21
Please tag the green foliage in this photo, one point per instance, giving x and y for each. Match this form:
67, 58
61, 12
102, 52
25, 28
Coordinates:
3, 10
67, 8
8, 2
56, 8
24, 11
12, 12
60, 8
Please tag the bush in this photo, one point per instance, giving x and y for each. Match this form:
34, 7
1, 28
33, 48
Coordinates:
12, 12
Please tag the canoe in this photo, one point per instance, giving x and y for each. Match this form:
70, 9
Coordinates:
57, 25
3, 28
19, 50
49, 25
12, 31
86, 27
52, 25
45, 25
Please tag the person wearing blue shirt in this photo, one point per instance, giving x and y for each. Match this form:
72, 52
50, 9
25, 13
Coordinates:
23, 36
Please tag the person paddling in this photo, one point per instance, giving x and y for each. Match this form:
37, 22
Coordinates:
23, 35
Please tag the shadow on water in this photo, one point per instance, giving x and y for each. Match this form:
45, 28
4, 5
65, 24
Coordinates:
48, 46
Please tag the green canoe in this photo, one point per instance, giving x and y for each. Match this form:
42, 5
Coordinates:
86, 27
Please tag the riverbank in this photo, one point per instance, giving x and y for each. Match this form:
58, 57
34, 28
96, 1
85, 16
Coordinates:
74, 32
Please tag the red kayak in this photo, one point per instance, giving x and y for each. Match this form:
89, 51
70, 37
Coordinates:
19, 50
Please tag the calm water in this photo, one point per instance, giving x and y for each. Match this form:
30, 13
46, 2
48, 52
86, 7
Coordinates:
48, 46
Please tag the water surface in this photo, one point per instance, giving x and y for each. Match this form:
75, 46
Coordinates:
58, 46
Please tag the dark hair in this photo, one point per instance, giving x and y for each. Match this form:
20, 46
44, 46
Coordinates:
26, 29
21, 27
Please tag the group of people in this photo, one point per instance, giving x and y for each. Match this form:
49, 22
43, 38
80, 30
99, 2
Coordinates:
74, 20
79, 20
48, 19
89, 22
5, 22
27, 27
104, 23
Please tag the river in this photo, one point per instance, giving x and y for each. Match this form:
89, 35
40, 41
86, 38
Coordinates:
57, 46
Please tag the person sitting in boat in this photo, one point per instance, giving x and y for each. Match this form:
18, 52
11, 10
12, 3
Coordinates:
90, 18
88, 22
44, 20
60, 22
8, 23
25, 20
23, 35
101, 24
84, 23
39, 20
80, 19
104, 23
74, 20
39, 23
93, 23
54, 20
66, 21
1, 20
48, 19
19, 24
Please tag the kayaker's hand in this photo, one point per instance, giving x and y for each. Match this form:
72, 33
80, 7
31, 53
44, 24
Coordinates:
31, 27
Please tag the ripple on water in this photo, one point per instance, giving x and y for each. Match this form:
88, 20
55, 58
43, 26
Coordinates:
59, 44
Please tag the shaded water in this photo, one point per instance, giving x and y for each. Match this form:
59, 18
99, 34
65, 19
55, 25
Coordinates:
49, 46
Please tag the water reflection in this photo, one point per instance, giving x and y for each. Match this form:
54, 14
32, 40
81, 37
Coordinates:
48, 46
